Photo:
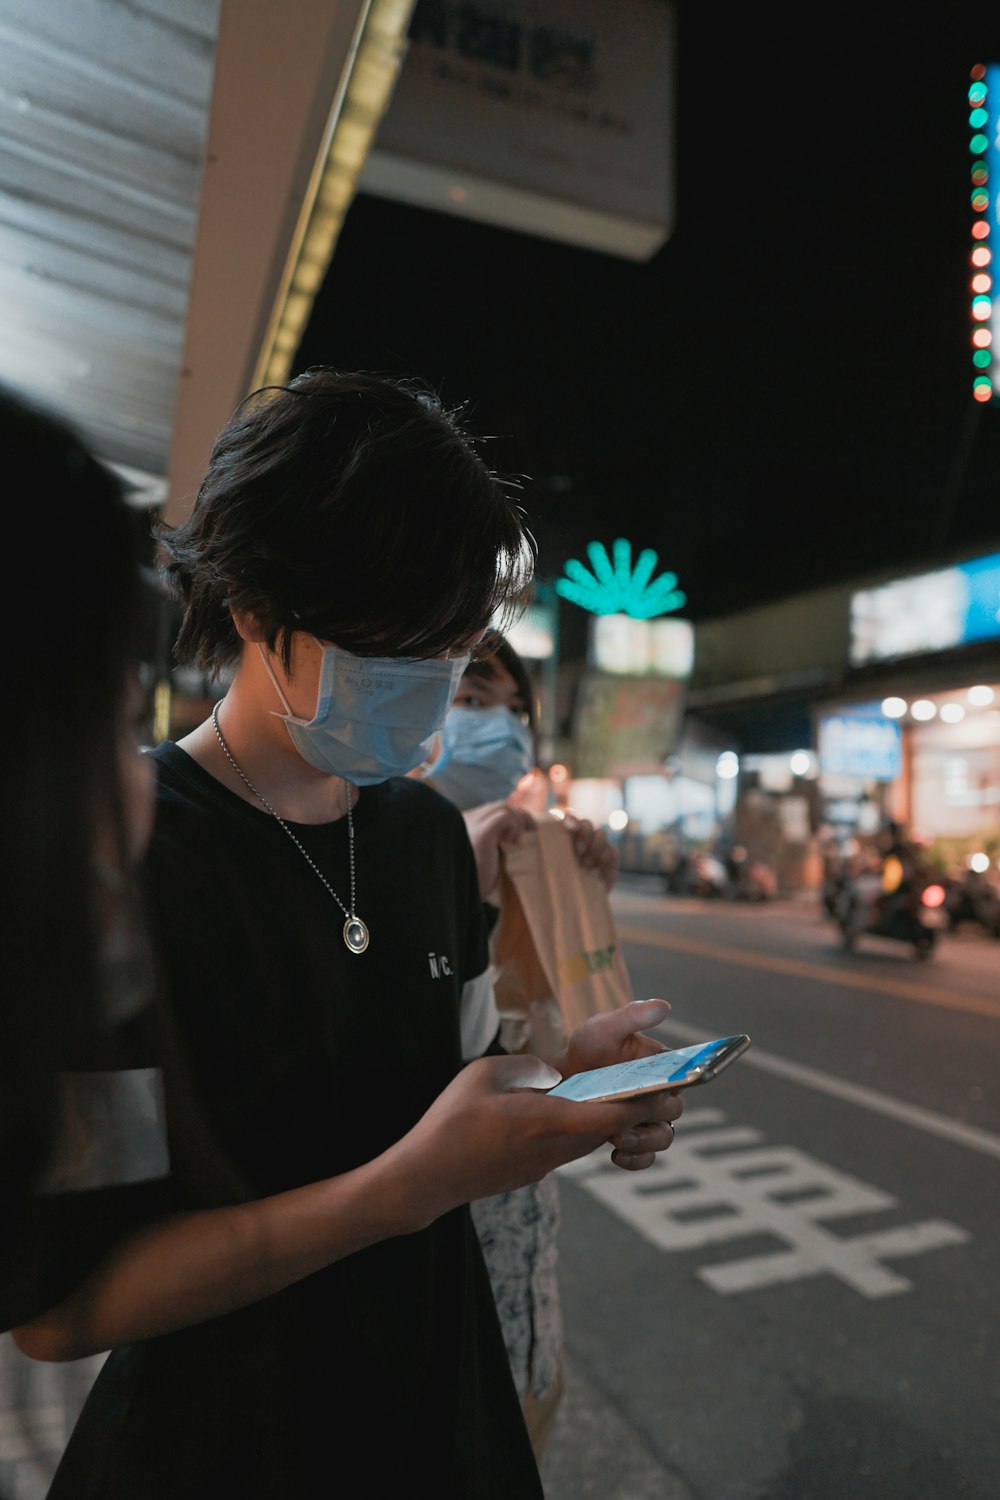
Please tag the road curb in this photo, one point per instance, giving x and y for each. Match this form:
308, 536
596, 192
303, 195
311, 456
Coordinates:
594, 1454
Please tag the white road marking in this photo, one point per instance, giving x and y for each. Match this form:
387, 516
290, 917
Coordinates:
712, 1189
969, 1136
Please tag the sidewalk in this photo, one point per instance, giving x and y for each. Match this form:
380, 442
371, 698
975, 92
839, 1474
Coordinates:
595, 1455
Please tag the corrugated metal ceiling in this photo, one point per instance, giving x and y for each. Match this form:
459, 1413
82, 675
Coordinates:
103, 114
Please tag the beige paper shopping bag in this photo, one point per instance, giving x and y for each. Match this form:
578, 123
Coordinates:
556, 952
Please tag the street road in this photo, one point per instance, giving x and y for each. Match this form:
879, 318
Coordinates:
800, 1302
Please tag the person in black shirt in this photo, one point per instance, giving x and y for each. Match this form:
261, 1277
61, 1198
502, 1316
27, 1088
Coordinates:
318, 919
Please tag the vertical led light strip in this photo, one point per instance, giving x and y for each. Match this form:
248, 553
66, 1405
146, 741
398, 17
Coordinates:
984, 148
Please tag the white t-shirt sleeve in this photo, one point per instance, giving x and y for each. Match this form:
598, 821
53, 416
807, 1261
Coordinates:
479, 1017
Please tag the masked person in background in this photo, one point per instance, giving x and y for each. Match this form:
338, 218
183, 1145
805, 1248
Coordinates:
485, 749
485, 760
324, 1324
487, 742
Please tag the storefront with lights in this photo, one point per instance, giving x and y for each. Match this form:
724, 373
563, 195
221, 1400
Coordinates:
841, 708
918, 740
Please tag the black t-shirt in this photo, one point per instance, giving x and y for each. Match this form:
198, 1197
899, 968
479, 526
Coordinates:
384, 1374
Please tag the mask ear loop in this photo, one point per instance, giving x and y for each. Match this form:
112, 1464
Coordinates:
265, 658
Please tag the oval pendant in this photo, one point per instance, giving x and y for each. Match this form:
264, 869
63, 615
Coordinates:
355, 935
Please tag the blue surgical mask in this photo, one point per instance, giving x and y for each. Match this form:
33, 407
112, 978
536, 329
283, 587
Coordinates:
376, 716
484, 753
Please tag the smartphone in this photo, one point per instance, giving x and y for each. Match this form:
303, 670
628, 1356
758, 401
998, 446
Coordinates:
677, 1068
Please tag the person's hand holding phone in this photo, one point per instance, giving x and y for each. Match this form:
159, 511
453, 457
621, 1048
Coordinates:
495, 1128
618, 1036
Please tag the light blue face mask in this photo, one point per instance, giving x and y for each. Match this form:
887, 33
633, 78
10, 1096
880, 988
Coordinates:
375, 717
484, 753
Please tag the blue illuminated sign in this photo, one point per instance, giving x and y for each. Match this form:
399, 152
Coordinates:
982, 591
861, 742
928, 612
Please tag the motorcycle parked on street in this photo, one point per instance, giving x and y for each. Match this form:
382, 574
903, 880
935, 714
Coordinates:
695, 872
911, 914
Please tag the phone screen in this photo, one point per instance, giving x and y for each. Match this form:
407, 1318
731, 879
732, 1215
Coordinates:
678, 1068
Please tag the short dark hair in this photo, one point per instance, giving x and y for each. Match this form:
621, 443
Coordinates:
352, 506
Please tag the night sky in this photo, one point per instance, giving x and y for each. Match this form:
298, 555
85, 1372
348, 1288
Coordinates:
781, 397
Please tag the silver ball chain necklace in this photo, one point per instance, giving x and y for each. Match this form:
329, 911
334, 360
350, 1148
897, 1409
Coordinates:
355, 932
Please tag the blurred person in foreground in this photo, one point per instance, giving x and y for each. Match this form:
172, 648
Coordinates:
83, 1144
485, 752
318, 917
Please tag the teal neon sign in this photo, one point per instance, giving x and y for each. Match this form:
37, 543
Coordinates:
615, 587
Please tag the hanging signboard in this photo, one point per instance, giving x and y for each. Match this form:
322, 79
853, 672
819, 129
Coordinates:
554, 117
